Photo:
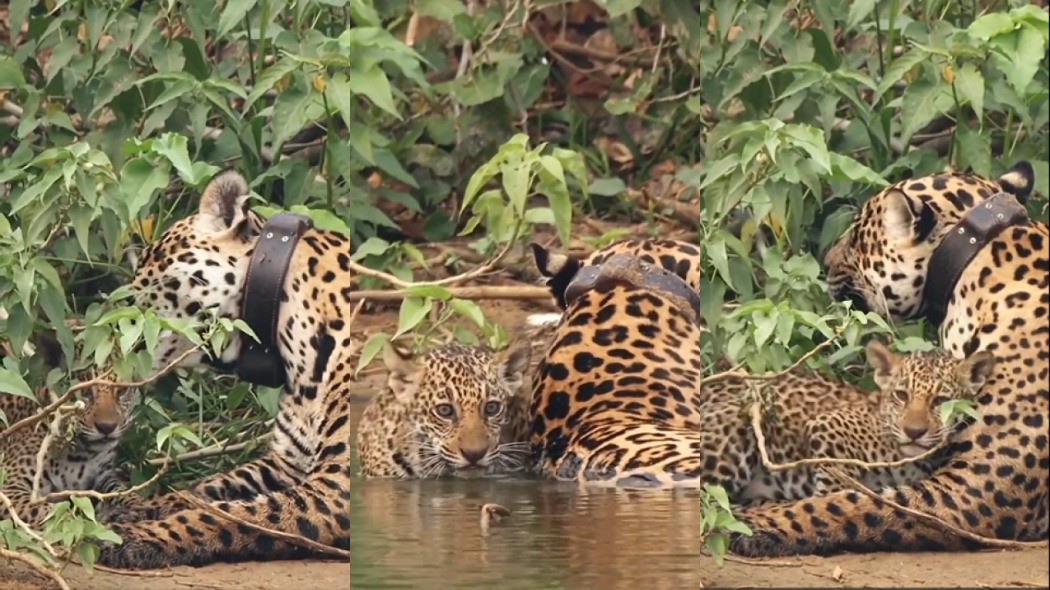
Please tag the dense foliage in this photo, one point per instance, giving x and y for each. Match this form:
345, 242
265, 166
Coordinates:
755, 126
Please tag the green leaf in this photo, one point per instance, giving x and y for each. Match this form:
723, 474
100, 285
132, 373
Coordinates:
87, 554
898, 68
970, 84
13, 383
716, 253
269, 78
810, 140
174, 147
923, 101
233, 13
11, 77
719, 495
973, 150
442, 10
413, 311
373, 83
291, 112
140, 179
858, 11
1026, 48
846, 167
370, 349
717, 545
469, 310
991, 25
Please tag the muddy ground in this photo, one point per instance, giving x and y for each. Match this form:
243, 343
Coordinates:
1027, 568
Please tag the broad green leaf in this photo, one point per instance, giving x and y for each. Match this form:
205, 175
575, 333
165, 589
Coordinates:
370, 349
293, 109
373, 83
413, 311
268, 78
442, 10
232, 14
973, 150
991, 25
13, 383
923, 101
469, 310
898, 68
1026, 48
607, 187
140, 179
10, 74
970, 84
858, 11
716, 253
845, 166
718, 546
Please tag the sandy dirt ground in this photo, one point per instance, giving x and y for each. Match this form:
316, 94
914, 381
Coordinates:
1029, 568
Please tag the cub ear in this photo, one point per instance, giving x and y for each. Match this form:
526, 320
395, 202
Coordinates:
401, 369
224, 203
974, 372
883, 361
513, 362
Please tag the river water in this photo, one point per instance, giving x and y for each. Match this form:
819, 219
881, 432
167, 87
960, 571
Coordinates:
428, 534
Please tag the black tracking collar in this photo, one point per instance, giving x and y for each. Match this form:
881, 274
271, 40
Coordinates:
980, 225
260, 362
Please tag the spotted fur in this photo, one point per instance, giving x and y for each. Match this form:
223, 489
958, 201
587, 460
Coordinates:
455, 410
301, 485
82, 455
995, 484
905, 421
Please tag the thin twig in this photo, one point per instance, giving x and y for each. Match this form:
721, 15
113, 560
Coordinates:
37, 567
288, 537
62, 495
735, 374
514, 292
214, 450
31, 420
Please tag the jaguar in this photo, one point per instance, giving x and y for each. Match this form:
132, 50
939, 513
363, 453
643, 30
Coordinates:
81, 456
300, 485
455, 410
995, 484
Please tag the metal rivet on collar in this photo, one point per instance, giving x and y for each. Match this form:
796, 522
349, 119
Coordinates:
988, 205
284, 239
973, 240
961, 231
1000, 216
269, 235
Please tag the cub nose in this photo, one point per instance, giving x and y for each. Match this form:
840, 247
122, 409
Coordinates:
473, 456
915, 433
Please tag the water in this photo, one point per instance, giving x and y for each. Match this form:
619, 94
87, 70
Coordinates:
428, 534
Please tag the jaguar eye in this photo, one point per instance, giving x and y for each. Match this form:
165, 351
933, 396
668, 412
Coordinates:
492, 408
901, 395
445, 411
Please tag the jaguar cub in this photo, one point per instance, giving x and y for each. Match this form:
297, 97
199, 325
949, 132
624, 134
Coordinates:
456, 410
87, 461
906, 423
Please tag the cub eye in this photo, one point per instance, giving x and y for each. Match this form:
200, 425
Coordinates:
901, 395
492, 408
445, 411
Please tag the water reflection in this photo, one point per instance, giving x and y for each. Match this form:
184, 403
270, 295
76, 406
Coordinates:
427, 534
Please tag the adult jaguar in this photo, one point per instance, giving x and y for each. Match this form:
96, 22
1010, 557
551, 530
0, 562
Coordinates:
455, 410
995, 485
301, 485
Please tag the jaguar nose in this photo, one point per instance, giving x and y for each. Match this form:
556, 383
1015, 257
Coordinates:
105, 427
915, 433
473, 456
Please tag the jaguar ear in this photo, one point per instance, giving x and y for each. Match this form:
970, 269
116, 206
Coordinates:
401, 369
903, 224
883, 361
1018, 181
548, 263
973, 372
513, 362
224, 204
